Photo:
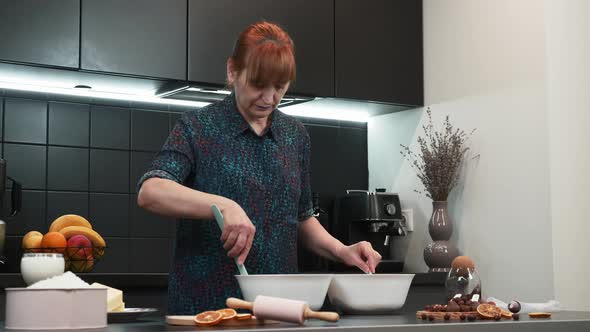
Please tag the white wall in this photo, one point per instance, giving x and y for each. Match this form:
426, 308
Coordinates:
485, 66
569, 119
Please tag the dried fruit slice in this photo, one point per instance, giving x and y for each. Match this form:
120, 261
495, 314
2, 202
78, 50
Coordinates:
208, 318
506, 314
539, 314
243, 316
488, 310
227, 313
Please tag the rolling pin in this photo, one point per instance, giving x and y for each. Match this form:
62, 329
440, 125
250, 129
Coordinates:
266, 307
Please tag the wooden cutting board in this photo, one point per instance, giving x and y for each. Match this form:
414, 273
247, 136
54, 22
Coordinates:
190, 321
454, 315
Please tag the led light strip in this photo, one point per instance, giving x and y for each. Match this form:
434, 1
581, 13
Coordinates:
332, 114
98, 94
297, 110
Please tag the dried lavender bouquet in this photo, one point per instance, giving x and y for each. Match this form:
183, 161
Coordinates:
439, 158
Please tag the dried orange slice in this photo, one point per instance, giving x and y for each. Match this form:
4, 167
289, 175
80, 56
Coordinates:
505, 313
539, 314
488, 310
208, 318
243, 316
227, 313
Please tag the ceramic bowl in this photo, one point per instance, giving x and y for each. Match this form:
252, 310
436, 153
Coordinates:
39, 266
310, 288
369, 293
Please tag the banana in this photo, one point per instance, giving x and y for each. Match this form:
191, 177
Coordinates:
93, 236
69, 220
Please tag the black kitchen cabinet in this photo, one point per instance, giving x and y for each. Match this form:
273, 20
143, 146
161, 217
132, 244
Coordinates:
214, 26
136, 37
40, 32
379, 50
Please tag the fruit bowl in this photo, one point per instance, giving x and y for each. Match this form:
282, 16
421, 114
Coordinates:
77, 259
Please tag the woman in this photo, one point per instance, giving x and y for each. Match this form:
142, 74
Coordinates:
252, 161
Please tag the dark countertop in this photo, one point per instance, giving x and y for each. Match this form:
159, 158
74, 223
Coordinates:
564, 321
160, 280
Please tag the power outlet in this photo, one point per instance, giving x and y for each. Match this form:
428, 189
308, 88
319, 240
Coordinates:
409, 219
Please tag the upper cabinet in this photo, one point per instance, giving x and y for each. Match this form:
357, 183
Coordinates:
40, 32
364, 50
379, 50
136, 37
214, 26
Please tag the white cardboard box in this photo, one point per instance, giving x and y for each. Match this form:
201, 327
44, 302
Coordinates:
53, 308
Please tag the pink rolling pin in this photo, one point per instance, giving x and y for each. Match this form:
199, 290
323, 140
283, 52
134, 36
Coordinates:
266, 307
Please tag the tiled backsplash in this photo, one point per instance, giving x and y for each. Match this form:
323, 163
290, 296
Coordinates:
78, 155
86, 159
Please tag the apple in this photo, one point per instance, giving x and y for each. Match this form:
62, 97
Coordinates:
79, 247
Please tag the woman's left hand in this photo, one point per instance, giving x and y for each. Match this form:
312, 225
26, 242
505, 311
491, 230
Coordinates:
360, 254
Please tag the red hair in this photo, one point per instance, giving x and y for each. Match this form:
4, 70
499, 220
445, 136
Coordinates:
266, 52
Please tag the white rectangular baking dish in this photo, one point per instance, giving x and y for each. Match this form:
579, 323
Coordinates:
55, 308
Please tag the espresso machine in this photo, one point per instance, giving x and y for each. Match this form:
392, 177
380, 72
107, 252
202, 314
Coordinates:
16, 198
376, 217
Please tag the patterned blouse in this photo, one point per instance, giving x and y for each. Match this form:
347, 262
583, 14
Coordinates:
214, 150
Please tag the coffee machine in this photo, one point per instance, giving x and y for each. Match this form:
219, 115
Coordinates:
16, 199
376, 217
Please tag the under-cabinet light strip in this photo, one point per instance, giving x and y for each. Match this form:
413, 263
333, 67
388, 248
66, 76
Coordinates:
316, 112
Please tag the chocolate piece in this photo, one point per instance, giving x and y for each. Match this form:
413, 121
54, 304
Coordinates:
471, 318
447, 316
453, 306
431, 318
514, 306
515, 316
424, 317
462, 317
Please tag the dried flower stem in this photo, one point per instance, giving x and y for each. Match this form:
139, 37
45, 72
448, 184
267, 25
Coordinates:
439, 159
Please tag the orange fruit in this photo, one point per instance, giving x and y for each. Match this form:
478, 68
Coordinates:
32, 240
227, 313
488, 310
243, 316
55, 242
208, 318
539, 314
505, 313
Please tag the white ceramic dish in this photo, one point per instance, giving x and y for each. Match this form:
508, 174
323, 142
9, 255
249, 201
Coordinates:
310, 288
369, 293
53, 308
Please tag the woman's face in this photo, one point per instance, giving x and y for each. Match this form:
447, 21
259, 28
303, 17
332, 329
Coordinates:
256, 102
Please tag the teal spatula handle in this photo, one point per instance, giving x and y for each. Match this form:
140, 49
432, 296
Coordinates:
219, 218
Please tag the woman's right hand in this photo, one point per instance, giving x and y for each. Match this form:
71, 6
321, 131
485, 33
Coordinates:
238, 232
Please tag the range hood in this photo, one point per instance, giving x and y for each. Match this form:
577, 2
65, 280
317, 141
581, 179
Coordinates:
179, 90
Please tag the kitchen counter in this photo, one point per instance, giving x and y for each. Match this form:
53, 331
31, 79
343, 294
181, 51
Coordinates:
561, 321
149, 290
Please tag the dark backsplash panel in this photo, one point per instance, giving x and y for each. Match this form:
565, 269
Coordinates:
84, 156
